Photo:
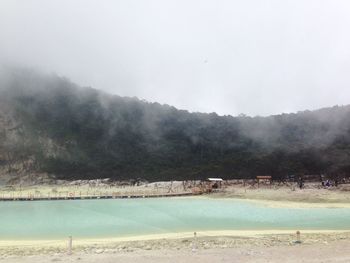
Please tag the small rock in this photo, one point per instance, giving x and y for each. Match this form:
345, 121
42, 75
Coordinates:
206, 245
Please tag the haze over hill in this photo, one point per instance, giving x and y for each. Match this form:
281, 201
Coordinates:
230, 57
50, 125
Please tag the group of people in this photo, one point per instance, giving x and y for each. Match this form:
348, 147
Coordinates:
325, 183
329, 183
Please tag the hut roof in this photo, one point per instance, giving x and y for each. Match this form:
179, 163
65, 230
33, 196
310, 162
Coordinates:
215, 179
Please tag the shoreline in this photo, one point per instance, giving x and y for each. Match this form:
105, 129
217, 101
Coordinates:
165, 236
214, 196
283, 203
311, 193
279, 197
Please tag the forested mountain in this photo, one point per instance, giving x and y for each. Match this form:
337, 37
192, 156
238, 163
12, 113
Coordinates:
50, 125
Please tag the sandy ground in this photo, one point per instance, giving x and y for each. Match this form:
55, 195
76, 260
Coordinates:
246, 247
312, 193
338, 251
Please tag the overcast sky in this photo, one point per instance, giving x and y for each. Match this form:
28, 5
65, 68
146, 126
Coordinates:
255, 57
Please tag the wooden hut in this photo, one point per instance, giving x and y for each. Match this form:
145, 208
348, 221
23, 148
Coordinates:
264, 178
215, 183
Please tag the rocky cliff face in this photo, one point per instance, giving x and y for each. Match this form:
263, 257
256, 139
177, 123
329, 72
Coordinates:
17, 161
51, 128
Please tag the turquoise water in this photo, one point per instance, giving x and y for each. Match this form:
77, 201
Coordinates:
128, 217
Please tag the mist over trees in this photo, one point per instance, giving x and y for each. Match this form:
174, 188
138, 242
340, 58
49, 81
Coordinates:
49, 124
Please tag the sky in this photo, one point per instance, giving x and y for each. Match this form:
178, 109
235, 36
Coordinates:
253, 57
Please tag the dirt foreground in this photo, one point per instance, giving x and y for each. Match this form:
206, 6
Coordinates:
338, 251
314, 247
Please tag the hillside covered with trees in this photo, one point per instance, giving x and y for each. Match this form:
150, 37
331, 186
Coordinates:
50, 125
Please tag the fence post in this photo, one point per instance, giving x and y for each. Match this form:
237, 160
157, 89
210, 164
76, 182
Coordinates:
70, 243
298, 237
194, 243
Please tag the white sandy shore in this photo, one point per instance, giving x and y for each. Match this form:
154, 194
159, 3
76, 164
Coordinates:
165, 236
287, 204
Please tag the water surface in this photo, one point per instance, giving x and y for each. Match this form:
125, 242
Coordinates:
130, 217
